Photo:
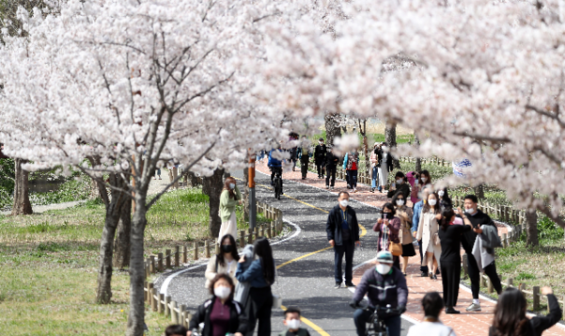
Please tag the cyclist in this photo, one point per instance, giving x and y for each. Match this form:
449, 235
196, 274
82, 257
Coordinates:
275, 165
384, 285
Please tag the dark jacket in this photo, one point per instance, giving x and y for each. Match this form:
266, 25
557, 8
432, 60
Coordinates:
330, 160
320, 153
379, 153
480, 218
403, 189
381, 289
253, 274
389, 163
238, 320
300, 332
539, 324
445, 203
333, 226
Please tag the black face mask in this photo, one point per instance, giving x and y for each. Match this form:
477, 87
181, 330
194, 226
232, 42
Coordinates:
386, 215
226, 248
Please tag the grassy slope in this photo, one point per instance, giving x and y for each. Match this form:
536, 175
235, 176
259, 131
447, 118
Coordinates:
48, 266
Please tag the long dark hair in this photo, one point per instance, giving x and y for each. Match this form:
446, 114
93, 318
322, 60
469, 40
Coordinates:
234, 254
510, 313
390, 206
427, 207
227, 186
427, 173
446, 216
446, 199
263, 250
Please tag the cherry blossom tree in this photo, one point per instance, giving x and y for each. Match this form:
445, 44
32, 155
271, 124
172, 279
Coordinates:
113, 87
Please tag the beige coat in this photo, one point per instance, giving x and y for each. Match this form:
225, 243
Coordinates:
405, 215
211, 270
427, 227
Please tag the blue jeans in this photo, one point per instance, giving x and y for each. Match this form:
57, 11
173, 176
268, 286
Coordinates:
375, 177
362, 316
352, 178
347, 249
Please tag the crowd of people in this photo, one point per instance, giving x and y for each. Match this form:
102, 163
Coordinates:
240, 284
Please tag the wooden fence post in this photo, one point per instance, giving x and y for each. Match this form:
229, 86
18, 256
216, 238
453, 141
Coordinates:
207, 248
196, 250
160, 262
160, 303
182, 314
503, 239
250, 237
168, 259
510, 282
174, 316
146, 296
154, 299
536, 298
177, 256
184, 254
150, 294
272, 229
152, 266
167, 307
241, 238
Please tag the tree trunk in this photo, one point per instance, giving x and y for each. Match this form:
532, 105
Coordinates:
480, 191
390, 138
332, 128
214, 185
122, 244
418, 167
246, 194
136, 315
532, 228
22, 205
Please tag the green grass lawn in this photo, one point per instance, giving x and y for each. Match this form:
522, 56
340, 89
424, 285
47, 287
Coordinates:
48, 266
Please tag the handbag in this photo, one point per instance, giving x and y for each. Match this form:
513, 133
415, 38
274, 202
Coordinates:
395, 249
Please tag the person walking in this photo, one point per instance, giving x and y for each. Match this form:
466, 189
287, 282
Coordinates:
405, 214
428, 234
304, 153
386, 166
350, 163
220, 314
432, 305
376, 156
445, 201
415, 222
414, 181
330, 165
388, 227
342, 230
293, 151
223, 262
157, 173
320, 157
401, 186
450, 238
384, 285
510, 314
425, 181
479, 220
229, 198
261, 276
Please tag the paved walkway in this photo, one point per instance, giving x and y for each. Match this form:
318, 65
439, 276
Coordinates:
465, 324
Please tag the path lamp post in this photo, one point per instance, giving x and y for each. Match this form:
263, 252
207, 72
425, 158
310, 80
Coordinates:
251, 185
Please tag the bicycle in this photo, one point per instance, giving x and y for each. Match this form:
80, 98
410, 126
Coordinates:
377, 327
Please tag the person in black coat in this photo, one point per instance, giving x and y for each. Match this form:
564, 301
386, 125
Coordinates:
510, 315
220, 314
330, 163
320, 157
342, 229
402, 186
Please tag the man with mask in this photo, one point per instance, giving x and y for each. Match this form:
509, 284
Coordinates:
343, 234
384, 285
320, 157
477, 219
401, 186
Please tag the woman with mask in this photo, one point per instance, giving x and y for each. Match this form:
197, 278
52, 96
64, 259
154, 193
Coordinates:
220, 314
261, 276
425, 181
223, 262
229, 198
376, 156
388, 227
428, 234
414, 180
405, 214
386, 166
450, 238
510, 314
350, 163
444, 199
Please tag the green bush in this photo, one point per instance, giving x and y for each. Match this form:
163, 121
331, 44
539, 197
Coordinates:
547, 230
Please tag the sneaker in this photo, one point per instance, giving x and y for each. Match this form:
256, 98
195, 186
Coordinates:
372, 190
354, 190
331, 188
474, 307
450, 310
349, 285
159, 178
424, 274
434, 277
337, 286
327, 187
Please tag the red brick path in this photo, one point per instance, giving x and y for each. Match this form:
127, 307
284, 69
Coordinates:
465, 324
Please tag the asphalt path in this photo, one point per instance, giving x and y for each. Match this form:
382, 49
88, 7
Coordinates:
307, 283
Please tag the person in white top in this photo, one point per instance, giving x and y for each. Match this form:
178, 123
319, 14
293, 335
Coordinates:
224, 262
433, 306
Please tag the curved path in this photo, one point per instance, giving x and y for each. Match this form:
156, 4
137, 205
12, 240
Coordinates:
306, 282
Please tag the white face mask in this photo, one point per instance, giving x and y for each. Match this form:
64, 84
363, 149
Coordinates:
222, 292
400, 202
424, 179
399, 181
383, 269
232, 185
470, 211
293, 324
321, 143
441, 193
432, 201
344, 203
